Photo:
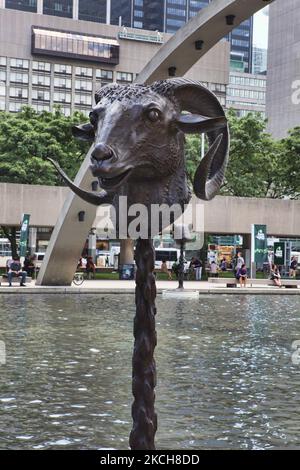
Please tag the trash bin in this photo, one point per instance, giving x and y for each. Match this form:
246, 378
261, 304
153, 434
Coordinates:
126, 272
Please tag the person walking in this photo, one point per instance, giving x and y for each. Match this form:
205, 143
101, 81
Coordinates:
239, 261
293, 267
90, 267
164, 269
196, 264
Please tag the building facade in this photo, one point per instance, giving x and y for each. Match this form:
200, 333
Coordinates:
283, 90
161, 15
246, 93
48, 60
170, 15
259, 61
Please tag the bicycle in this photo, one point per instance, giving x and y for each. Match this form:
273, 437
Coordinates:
79, 278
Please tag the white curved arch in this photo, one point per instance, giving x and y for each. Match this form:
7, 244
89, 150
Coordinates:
209, 26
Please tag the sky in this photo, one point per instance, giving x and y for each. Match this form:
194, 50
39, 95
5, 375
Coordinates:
261, 24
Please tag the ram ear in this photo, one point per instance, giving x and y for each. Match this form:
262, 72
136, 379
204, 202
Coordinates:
195, 123
84, 132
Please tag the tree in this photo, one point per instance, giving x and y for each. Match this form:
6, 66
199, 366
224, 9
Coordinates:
27, 138
10, 234
255, 159
290, 176
258, 165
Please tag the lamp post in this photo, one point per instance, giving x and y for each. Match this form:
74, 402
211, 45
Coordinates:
182, 236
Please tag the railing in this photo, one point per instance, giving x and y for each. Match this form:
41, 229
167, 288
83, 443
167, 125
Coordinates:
158, 38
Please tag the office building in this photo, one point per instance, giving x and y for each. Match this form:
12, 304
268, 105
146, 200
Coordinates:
246, 93
283, 89
161, 15
259, 61
170, 15
48, 60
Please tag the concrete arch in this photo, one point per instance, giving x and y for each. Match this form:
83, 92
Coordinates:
208, 26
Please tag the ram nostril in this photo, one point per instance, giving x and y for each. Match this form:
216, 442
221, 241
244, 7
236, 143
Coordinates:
102, 152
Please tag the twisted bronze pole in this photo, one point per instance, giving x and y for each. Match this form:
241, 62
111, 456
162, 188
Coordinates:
143, 363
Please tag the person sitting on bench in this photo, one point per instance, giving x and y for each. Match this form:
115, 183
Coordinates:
275, 276
15, 270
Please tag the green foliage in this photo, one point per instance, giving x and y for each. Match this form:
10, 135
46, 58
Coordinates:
258, 165
27, 138
290, 175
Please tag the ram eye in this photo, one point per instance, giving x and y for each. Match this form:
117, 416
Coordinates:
93, 119
153, 115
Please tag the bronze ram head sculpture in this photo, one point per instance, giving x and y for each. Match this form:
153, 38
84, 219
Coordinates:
138, 134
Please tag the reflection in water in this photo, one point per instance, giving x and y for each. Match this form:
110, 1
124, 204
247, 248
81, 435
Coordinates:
225, 375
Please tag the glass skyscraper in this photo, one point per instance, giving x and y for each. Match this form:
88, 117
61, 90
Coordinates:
170, 15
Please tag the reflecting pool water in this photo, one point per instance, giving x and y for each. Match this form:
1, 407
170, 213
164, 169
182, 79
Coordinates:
226, 378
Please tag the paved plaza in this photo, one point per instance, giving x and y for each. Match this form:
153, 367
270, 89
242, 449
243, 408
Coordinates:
128, 287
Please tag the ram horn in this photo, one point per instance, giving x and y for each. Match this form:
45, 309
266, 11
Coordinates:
194, 98
95, 199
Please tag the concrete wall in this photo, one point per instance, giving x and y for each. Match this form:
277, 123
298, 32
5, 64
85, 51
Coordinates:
236, 214
42, 202
223, 215
283, 67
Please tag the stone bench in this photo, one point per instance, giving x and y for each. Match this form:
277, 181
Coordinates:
3, 278
233, 282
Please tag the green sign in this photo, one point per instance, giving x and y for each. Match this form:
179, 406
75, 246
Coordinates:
24, 235
259, 252
279, 253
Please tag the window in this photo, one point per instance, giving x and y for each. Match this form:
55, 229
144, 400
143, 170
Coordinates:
42, 80
15, 106
2, 61
58, 8
2, 89
19, 63
43, 66
62, 82
66, 110
124, 77
104, 74
61, 97
24, 5
175, 23
137, 24
2, 76
39, 107
83, 85
83, 99
81, 46
138, 14
92, 10
2, 104
84, 72
40, 95
19, 77
62, 68
18, 92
